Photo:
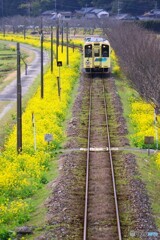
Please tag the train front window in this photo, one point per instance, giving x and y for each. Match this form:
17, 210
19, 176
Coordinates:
105, 50
96, 52
88, 51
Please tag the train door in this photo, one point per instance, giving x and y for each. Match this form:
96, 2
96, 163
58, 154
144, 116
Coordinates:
97, 55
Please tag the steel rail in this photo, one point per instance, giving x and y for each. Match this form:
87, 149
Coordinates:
87, 168
112, 170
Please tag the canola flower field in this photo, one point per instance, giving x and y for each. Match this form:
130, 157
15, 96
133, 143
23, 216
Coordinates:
141, 118
144, 123
23, 174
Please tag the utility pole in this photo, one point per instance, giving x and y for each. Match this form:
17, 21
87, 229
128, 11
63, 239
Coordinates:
3, 26
57, 39
19, 102
62, 37
67, 44
118, 9
24, 32
42, 87
155, 5
29, 9
2, 8
55, 6
51, 49
86, 8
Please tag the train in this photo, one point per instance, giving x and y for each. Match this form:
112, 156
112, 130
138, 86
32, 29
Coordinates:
96, 55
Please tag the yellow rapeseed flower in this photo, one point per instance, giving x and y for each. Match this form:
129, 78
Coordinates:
21, 175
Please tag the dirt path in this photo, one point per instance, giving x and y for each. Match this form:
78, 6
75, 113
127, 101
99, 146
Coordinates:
9, 93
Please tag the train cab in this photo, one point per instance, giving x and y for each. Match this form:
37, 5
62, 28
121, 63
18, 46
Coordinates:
96, 55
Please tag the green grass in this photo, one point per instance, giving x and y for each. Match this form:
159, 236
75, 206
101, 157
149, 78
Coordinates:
123, 87
39, 213
148, 169
8, 62
7, 123
150, 174
38, 209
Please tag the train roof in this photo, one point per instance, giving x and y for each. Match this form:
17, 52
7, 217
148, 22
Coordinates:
95, 39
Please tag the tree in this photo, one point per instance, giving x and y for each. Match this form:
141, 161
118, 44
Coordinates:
138, 51
136, 7
107, 4
34, 7
9, 8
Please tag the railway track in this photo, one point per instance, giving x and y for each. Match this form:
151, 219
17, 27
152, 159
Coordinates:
101, 215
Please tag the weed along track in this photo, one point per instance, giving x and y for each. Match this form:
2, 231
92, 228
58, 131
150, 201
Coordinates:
68, 216
66, 204
101, 220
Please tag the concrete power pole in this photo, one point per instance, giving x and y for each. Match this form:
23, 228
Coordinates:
118, 9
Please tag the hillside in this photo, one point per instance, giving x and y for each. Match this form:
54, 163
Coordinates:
36, 7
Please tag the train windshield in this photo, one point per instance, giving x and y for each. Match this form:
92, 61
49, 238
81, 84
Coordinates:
96, 52
105, 50
88, 50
